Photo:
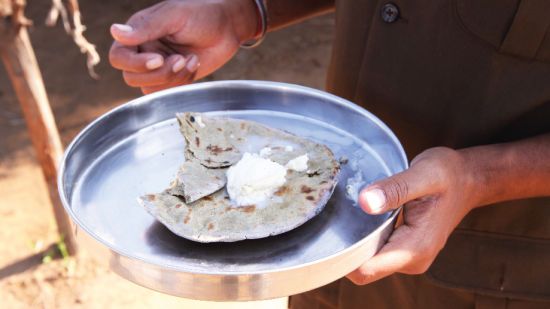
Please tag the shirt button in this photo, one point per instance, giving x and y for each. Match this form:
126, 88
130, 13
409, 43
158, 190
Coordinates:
389, 12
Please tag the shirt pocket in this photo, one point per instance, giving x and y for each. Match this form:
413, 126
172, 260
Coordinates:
501, 265
519, 28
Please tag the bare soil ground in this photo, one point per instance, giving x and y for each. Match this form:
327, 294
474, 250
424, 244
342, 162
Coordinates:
298, 54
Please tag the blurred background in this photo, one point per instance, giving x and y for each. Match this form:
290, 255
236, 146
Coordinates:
32, 272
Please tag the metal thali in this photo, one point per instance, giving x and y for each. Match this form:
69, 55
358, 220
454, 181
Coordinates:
136, 148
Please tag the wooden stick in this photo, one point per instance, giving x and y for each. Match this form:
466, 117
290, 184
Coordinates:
20, 61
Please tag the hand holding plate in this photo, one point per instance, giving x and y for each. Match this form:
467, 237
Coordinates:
434, 194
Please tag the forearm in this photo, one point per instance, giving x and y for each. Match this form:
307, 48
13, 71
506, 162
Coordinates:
280, 13
508, 171
284, 12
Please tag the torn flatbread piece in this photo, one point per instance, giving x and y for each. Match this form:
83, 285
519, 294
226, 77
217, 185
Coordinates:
310, 179
195, 181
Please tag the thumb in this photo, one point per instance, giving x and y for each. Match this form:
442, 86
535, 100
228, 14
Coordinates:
144, 26
394, 191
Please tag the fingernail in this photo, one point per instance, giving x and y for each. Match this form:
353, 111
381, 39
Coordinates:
193, 63
123, 28
179, 65
376, 199
154, 63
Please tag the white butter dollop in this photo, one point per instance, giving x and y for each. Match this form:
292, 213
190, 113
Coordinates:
254, 179
353, 186
298, 164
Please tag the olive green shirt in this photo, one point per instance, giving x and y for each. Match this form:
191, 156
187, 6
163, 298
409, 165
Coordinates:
459, 73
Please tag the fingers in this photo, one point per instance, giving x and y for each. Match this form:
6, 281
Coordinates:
127, 58
400, 254
142, 27
394, 191
146, 25
177, 70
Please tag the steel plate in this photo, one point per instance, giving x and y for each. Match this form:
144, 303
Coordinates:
136, 148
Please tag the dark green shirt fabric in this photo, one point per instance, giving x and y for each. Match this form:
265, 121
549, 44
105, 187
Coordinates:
459, 73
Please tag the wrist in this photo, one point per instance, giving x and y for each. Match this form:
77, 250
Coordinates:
245, 19
471, 179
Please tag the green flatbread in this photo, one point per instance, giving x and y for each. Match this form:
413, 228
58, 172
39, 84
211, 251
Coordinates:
220, 142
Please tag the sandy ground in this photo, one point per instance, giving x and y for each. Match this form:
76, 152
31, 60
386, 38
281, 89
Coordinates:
298, 54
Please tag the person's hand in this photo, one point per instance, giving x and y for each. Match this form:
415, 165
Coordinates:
175, 42
435, 193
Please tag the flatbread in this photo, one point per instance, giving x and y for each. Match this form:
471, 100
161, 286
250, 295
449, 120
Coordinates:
217, 143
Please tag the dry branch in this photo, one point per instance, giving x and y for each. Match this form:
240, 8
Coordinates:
75, 31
